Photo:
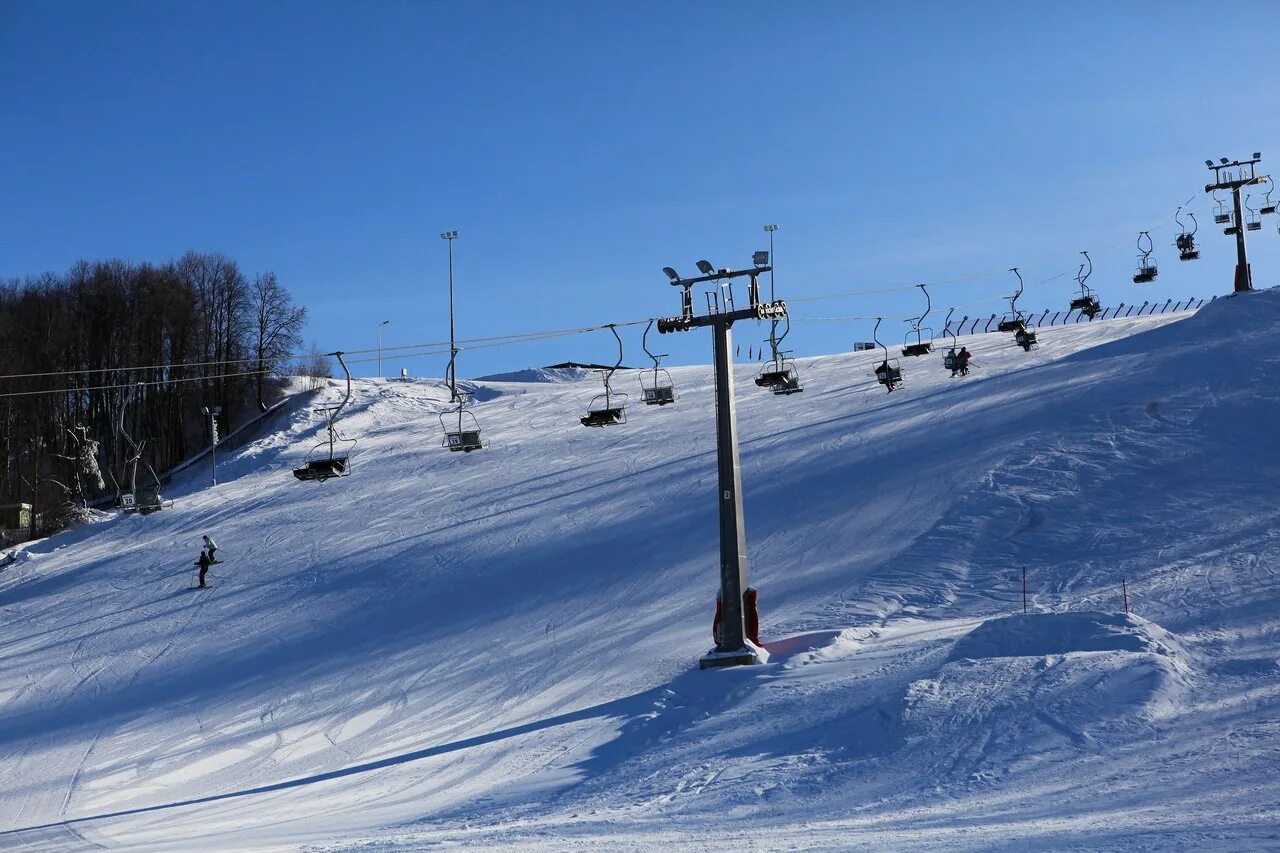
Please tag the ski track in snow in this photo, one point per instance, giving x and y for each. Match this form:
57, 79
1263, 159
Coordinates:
498, 649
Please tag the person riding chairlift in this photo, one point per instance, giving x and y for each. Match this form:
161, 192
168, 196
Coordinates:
962, 362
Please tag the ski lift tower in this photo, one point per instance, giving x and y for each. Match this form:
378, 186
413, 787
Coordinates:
732, 648
1232, 175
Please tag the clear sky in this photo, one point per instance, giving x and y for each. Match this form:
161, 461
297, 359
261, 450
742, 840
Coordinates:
579, 147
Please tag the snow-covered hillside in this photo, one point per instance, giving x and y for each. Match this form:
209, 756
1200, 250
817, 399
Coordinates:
500, 648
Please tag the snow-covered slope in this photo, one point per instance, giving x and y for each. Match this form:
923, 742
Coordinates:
500, 648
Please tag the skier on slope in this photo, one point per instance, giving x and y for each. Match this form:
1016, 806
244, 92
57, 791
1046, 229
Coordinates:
203, 563
211, 547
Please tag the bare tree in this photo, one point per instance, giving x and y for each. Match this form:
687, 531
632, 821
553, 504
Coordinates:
277, 326
314, 368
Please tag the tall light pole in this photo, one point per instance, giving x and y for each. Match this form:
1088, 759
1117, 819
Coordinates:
450, 236
771, 229
380, 325
773, 326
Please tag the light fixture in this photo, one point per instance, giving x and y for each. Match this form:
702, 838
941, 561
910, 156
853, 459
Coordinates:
760, 258
671, 274
1209, 163
1224, 161
1257, 155
448, 235
771, 228
705, 268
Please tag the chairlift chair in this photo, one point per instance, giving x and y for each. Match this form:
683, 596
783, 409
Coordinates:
335, 460
1087, 302
1025, 338
1221, 215
1015, 320
1147, 271
1268, 206
779, 373
144, 501
461, 430
790, 383
1186, 240
609, 408
656, 387
950, 361
921, 346
888, 372
1252, 219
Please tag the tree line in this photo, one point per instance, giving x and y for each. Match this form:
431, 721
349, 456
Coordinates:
132, 352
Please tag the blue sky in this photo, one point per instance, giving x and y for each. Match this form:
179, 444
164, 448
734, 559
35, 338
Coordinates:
580, 147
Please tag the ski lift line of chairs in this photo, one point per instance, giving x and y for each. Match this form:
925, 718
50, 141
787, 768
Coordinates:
1185, 242
888, 372
1014, 320
779, 373
1252, 219
609, 408
658, 390
1147, 270
1087, 302
921, 346
335, 461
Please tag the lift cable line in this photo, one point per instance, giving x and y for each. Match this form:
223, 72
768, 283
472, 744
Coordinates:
147, 383
410, 350
733, 646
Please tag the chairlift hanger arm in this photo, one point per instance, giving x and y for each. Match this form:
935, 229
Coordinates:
719, 276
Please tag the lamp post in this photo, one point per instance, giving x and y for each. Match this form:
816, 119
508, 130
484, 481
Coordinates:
450, 236
380, 325
773, 326
771, 229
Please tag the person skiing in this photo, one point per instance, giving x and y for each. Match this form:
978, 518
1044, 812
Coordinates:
203, 563
212, 548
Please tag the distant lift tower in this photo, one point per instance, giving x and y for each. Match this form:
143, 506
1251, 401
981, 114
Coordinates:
733, 647
1232, 175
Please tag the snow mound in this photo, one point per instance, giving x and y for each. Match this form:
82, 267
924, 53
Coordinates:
540, 374
1040, 634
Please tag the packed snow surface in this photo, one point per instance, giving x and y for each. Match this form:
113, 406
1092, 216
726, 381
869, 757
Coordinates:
499, 649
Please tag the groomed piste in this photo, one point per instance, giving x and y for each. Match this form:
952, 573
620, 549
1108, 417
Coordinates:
500, 649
